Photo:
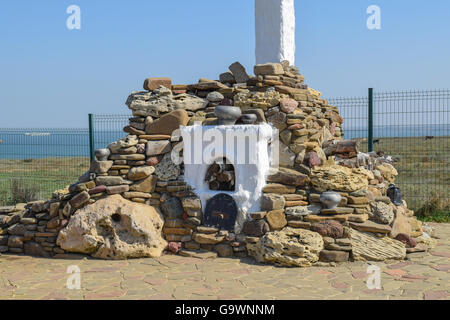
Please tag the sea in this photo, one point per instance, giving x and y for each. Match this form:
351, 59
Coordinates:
46, 143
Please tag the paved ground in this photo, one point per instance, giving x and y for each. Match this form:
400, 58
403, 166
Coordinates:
424, 276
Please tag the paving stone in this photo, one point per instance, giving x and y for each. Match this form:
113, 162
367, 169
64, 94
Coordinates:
223, 277
198, 254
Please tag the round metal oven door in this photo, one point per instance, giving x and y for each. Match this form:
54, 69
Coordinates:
221, 212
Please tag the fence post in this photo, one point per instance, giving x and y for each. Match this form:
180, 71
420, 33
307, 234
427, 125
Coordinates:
370, 117
91, 137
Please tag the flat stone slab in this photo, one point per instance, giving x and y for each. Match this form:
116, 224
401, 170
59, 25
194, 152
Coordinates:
370, 226
7, 209
338, 210
198, 254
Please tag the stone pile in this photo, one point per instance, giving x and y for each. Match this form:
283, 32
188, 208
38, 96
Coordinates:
31, 228
133, 202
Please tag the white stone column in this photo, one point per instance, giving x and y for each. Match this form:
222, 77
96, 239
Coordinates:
275, 31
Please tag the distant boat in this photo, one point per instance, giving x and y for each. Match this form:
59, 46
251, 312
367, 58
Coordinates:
37, 134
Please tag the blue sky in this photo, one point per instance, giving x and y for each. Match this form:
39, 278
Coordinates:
53, 77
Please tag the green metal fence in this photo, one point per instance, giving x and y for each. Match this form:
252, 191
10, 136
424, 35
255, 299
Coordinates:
35, 162
107, 128
411, 126
414, 128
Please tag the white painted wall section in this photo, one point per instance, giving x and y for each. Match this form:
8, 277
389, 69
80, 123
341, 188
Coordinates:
250, 176
275, 31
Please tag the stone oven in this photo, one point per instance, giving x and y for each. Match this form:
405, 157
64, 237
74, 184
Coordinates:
139, 200
245, 148
221, 176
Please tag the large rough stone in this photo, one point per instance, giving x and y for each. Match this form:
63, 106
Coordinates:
409, 241
80, 199
172, 208
426, 239
271, 202
166, 169
347, 146
289, 177
129, 141
288, 247
286, 156
128, 157
338, 210
161, 100
35, 249
239, 73
367, 247
7, 209
329, 228
278, 188
302, 211
227, 77
139, 173
17, 230
155, 148
224, 250
288, 105
151, 84
256, 228
168, 123
115, 228
382, 213
108, 181
189, 102
388, 172
416, 227
204, 238
117, 189
146, 185
263, 100
193, 203
334, 256
370, 226
278, 119
3, 240
215, 96
100, 167
312, 159
401, 223
338, 178
269, 69
37, 206
276, 219
15, 241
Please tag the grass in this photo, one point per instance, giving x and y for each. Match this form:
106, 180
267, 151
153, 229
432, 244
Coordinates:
437, 209
423, 166
20, 177
437, 216
424, 173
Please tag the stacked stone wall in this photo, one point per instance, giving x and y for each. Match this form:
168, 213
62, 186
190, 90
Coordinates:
314, 158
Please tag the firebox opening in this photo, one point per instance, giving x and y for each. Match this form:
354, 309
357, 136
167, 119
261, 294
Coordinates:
221, 176
221, 212
116, 217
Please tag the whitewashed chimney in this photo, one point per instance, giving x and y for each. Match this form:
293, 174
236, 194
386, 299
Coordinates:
275, 31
